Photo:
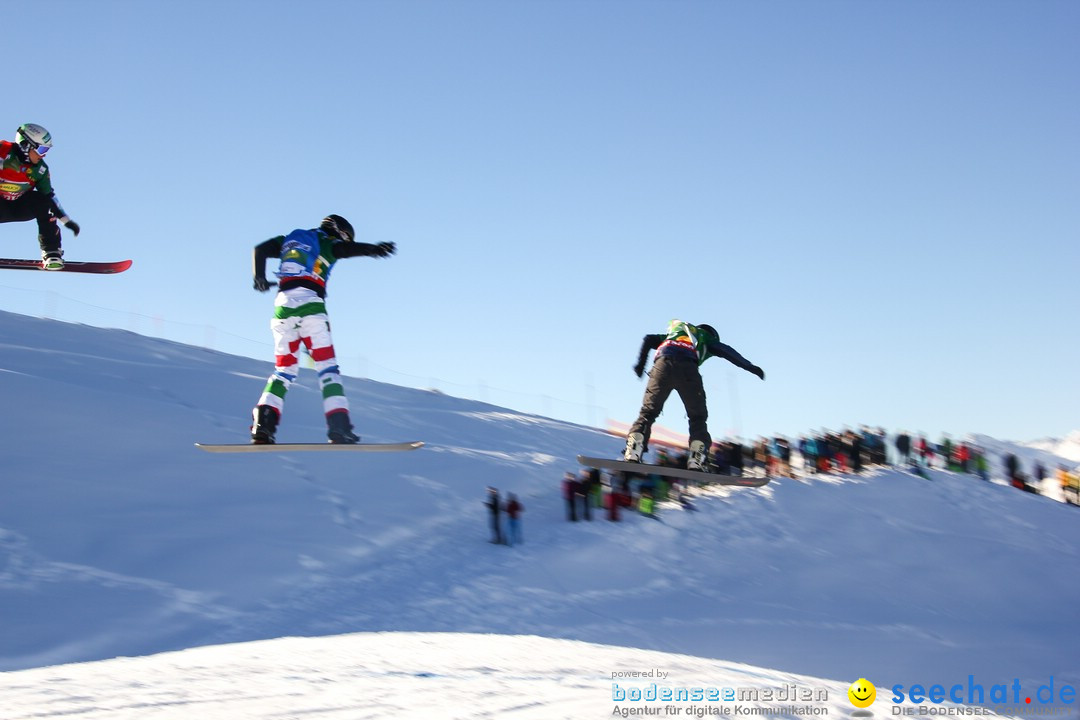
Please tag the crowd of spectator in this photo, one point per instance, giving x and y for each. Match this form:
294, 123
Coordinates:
591, 492
845, 452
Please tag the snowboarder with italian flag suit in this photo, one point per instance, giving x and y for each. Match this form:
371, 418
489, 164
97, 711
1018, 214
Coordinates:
300, 319
679, 354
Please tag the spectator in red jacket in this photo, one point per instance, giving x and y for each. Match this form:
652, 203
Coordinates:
513, 514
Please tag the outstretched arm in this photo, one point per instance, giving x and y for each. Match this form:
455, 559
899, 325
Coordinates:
44, 186
61, 216
650, 342
263, 252
359, 249
731, 355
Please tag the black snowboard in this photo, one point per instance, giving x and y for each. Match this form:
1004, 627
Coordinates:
681, 473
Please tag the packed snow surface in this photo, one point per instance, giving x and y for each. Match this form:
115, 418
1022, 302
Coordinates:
363, 585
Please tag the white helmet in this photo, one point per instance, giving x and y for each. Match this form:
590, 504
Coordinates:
33, 137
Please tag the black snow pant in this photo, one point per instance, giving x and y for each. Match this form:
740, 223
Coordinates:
33, 206
682, 376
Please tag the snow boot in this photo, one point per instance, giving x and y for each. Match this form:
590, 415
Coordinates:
52, 259
339, 430
699, 457
635, 446
266, 422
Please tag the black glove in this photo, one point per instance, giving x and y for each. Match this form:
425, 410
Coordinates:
639, 370
73, 227
383, 249
758, 371
262, 284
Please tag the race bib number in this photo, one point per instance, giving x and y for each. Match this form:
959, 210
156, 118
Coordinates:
290, 269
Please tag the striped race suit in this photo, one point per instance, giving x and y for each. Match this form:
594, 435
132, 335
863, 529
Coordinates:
300, 319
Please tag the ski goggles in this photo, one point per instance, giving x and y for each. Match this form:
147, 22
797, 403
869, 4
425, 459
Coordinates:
41, 149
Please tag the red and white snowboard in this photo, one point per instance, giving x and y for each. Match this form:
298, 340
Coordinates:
97, 268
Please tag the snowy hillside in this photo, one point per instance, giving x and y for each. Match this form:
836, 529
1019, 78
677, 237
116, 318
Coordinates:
1067, 447
117, 537
402, 675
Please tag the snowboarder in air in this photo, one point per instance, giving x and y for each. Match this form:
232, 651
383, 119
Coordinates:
306, 259
26, 191
679, 354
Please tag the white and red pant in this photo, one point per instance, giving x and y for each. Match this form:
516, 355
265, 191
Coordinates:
300, 321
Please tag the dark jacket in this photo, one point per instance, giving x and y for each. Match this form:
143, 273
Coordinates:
335, 249
719, 349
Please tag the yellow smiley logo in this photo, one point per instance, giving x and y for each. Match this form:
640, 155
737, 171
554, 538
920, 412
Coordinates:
862, 693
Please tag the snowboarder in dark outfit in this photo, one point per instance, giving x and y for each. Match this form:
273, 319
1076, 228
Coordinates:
679, 355
26, 191
307, 257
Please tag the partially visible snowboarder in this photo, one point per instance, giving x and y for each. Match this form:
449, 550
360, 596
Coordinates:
26, 191
679, 355
306, 259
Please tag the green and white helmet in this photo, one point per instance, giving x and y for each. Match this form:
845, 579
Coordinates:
33, 137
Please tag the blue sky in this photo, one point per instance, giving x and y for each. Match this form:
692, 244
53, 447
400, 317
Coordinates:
877, 202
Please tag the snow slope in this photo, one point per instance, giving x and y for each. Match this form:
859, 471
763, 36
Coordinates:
399, 675
117, 537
